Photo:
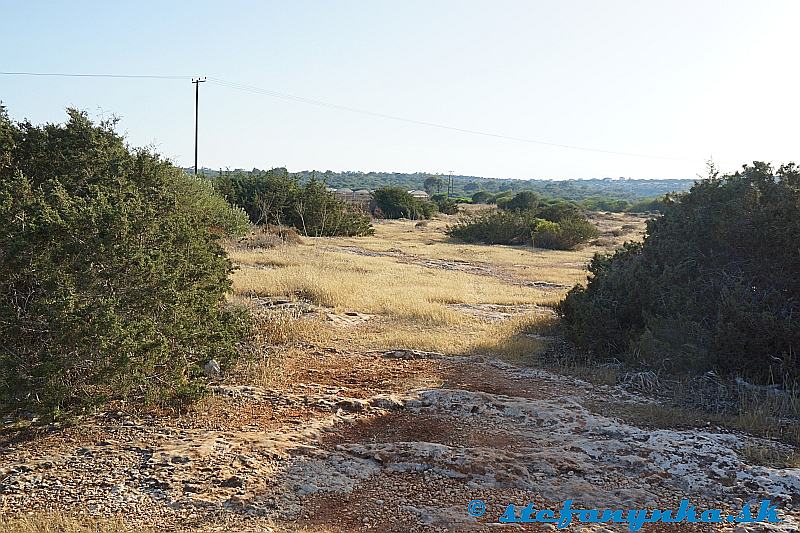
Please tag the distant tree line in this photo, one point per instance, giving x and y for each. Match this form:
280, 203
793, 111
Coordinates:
620, 195
466, 186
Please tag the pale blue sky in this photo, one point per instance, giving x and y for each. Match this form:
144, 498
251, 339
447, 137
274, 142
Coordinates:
682, 79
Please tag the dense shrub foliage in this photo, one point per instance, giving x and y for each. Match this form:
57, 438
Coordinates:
448, 206
396, 202
715, 284
525, 218
566, 234
112, 282
482, 197
508, 200
524, 200
495, 227
275, 197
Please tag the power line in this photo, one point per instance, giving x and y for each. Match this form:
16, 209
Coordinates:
71, 75
286, 96
321, 103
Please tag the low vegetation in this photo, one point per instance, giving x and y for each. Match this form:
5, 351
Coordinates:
275, 197
713, 286
112, 279
527, 219
396, 202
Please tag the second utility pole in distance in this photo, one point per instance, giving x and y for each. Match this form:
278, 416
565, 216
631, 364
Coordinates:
197, 82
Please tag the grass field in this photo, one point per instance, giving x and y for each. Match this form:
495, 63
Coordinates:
423, 290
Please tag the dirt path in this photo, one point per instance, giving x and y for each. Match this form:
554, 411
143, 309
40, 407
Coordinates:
395, 441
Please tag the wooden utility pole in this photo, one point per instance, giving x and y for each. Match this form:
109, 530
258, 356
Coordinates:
197, 82
449, 183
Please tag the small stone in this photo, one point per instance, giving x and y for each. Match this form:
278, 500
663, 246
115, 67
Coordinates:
212, 369
232, 482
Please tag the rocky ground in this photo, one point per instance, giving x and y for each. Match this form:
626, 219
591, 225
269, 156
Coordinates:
385, 441
388, 441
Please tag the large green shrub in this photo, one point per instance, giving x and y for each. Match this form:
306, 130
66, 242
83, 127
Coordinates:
112, 282
448, 206
275, 197
566, 234
526, 226
482, 197
524, 200
396, 202
317, 213
715, 284
648, 205
495, 227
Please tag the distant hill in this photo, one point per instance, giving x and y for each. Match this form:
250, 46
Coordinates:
621, 188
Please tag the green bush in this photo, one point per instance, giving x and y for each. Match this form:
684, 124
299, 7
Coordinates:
524, 200
714, 286
396, 202
558, 211
199, 195
495, 227
317, 213
526, 227
274, 197
647, 205
448, 206
482, 197
112, 282
566, 234
604, 203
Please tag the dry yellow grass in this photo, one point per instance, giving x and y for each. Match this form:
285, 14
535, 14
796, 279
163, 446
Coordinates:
508, 339
61, 523
385, 275
375, 285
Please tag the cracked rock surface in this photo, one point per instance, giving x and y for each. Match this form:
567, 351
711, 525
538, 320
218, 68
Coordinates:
404, 447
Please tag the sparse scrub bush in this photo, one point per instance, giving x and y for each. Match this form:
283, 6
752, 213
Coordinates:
112, 280
317, 213
713, 286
